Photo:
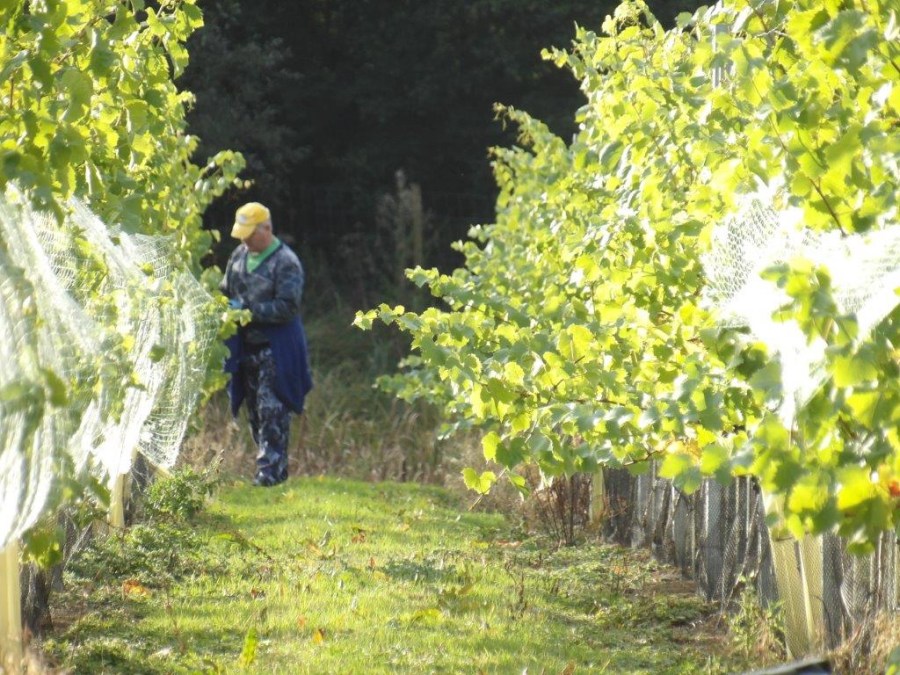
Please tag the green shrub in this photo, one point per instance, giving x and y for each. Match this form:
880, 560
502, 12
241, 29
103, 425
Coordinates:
179, 496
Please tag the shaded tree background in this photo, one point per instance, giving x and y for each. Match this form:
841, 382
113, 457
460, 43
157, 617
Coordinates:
329, 99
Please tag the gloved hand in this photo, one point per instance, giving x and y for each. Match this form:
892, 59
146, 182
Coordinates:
236, 303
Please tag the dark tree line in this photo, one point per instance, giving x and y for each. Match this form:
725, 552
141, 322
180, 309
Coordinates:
328, 99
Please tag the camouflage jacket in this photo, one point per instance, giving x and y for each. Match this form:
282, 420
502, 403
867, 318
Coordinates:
272, 292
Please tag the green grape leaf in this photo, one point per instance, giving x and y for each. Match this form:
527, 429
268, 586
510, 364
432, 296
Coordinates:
79, 87
480, 483
681, 468
489, 443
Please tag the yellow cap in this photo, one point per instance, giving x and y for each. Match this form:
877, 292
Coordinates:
247, 218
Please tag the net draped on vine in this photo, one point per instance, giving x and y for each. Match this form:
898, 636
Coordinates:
104, 339
824, 590
865, 276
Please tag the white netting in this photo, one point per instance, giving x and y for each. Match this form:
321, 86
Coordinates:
865, 273
814, 575
124, 326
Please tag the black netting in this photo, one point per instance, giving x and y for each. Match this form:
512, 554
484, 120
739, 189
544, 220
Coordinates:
718, 537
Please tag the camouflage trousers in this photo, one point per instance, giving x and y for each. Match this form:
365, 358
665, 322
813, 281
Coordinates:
270, 419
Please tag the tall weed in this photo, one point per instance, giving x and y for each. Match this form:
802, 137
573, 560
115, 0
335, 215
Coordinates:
756, 629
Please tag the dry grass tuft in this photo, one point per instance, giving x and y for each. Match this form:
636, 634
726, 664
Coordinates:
868, 649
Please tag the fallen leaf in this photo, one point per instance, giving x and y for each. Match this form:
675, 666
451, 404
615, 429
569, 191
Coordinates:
134, 587
318, 636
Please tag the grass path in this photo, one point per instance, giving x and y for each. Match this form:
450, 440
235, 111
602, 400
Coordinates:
333, 576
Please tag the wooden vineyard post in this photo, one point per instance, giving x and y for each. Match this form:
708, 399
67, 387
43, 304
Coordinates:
598, 506
798, 577
10, 610
810, 559
117, 502
118, 493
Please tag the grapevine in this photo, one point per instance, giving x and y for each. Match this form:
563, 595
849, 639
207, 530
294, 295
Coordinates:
576, 335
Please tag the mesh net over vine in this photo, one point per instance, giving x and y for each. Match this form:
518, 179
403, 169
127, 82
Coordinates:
104, 340
864, 269
824, 590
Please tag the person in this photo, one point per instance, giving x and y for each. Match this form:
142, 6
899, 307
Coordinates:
268, 359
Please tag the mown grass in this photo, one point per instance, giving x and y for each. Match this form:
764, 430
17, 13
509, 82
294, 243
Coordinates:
336, 576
